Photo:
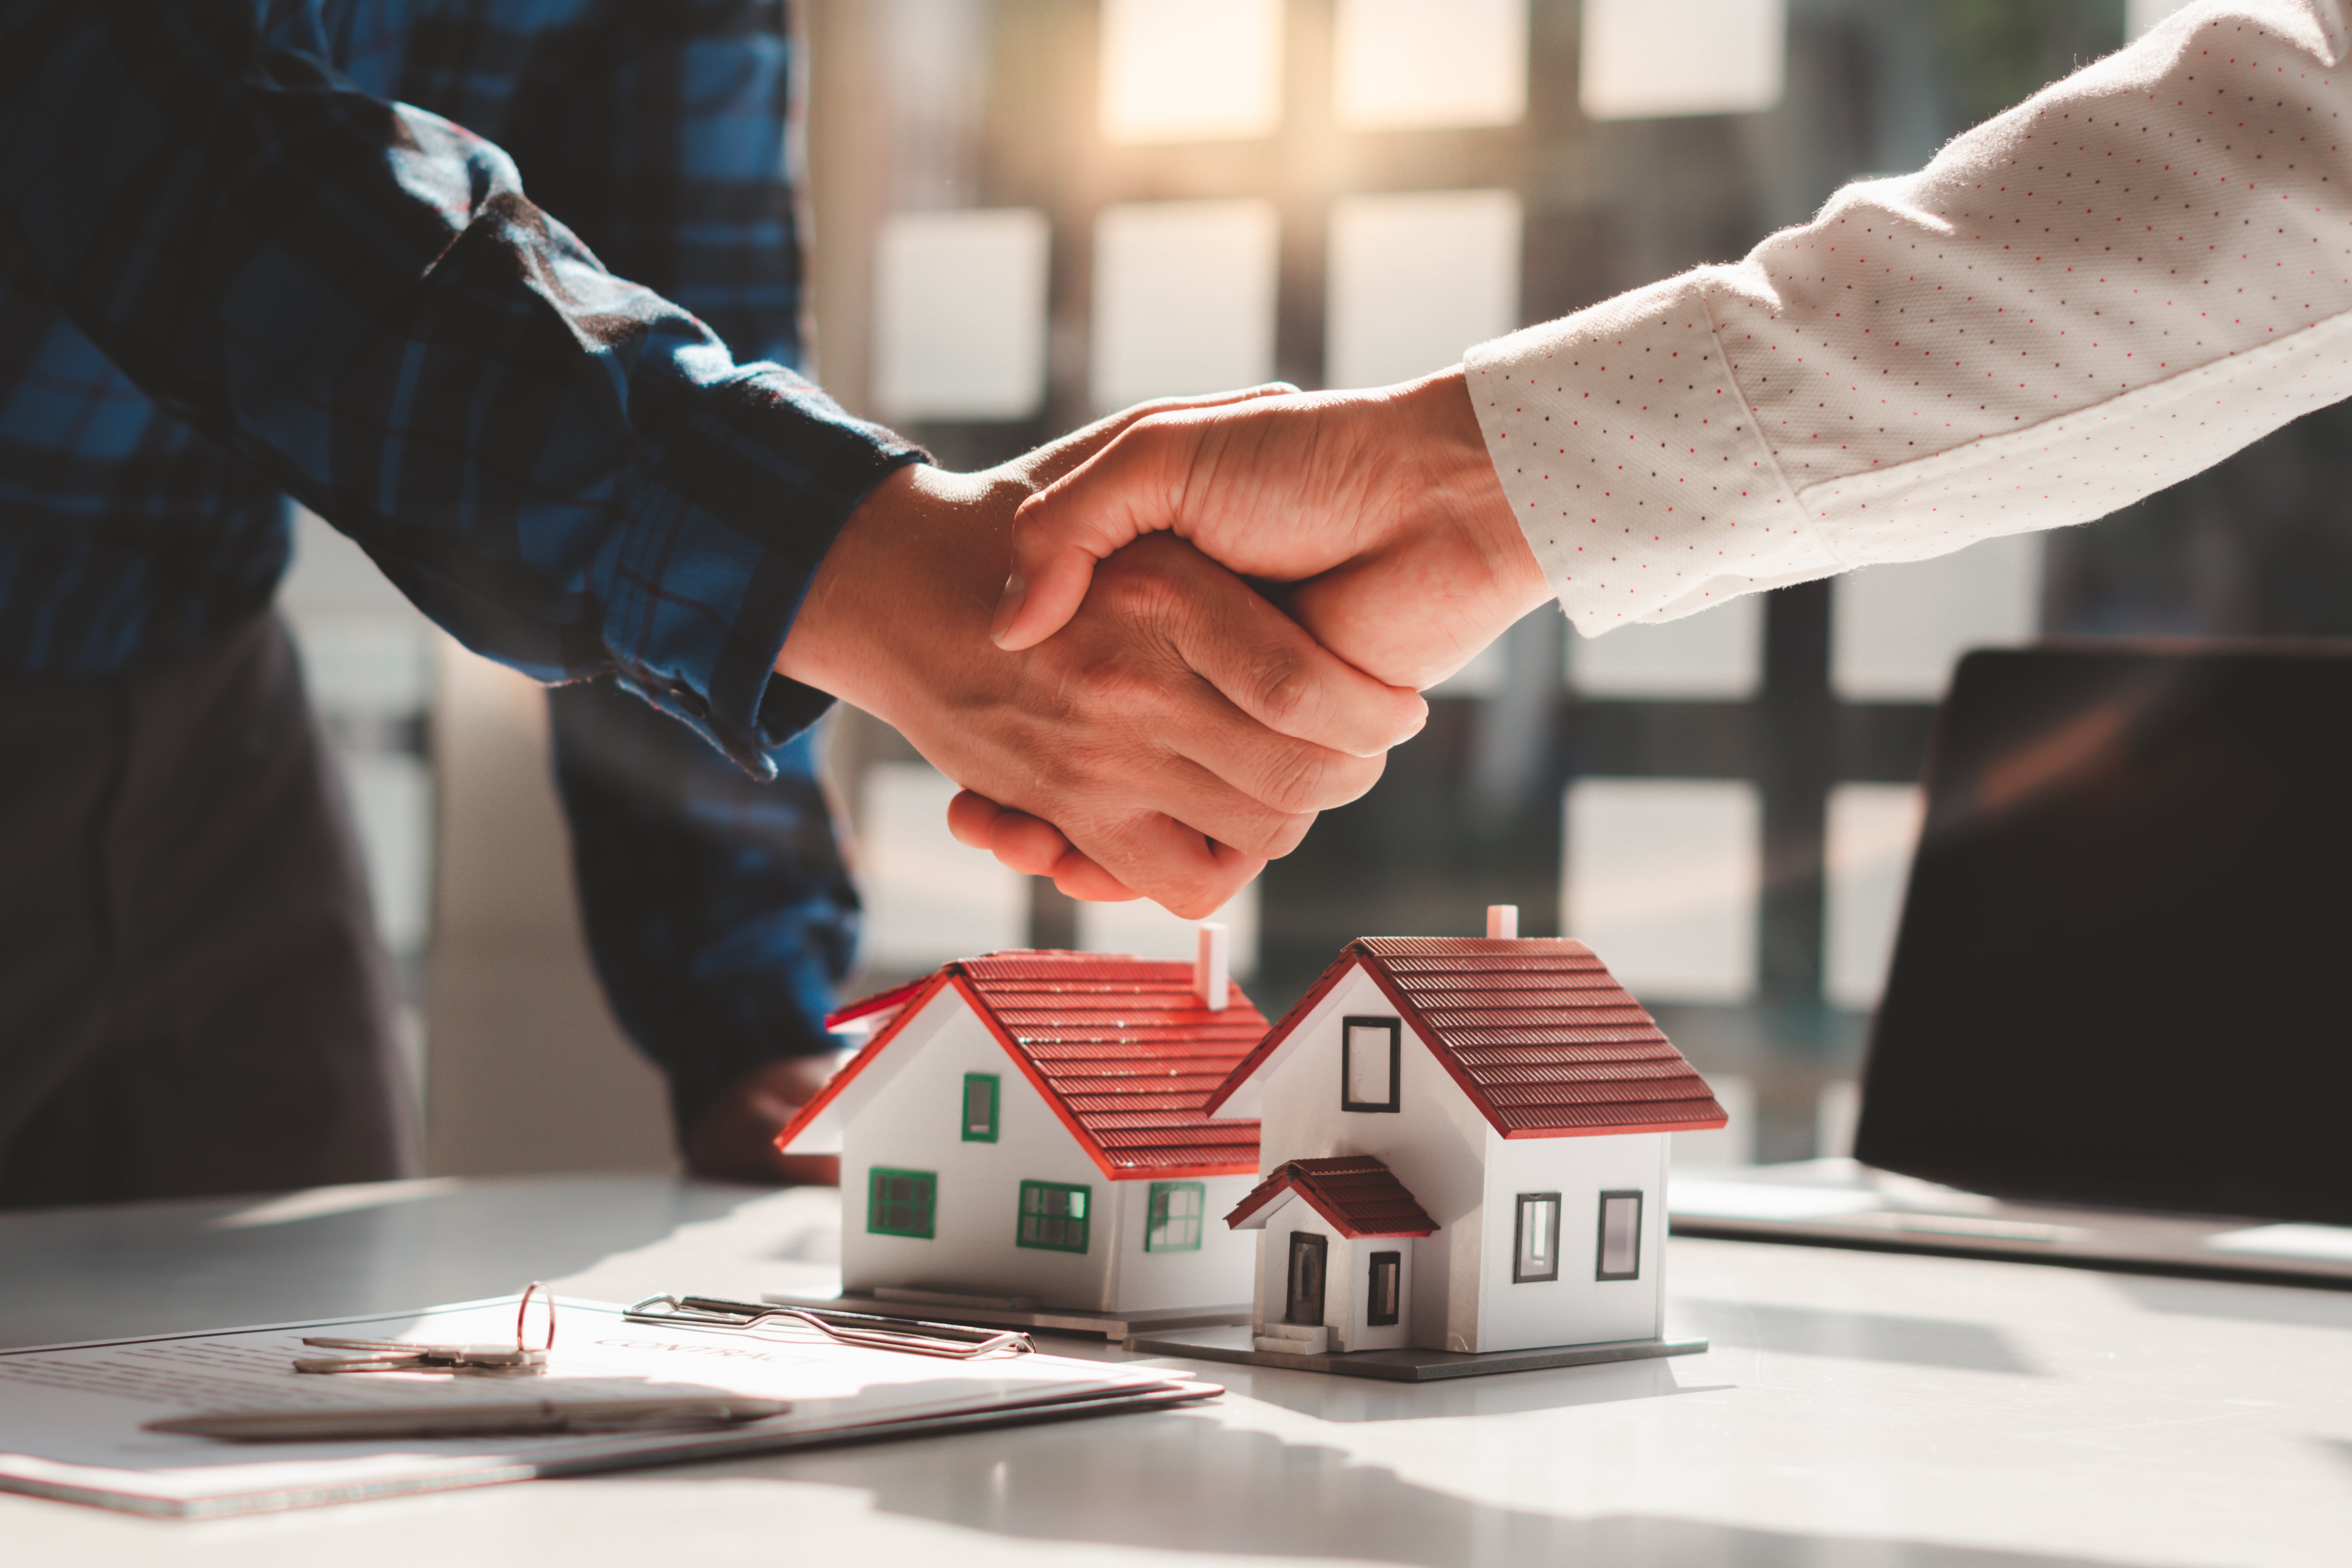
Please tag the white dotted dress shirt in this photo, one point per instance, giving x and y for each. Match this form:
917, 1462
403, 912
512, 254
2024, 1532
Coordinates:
2107, 288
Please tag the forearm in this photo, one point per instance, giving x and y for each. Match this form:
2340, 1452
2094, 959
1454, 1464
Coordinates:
718, 908
568, 472
2091, 297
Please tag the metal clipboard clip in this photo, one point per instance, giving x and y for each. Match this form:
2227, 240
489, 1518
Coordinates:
911, 1336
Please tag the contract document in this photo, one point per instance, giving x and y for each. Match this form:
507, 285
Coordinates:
72, 1418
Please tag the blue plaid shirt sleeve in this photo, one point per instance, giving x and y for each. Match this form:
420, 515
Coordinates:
568, 472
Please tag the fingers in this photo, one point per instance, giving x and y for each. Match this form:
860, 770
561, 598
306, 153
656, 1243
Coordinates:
1192, 877
970, 816
1269, 668
1132, 486
1033, 847
1080, 878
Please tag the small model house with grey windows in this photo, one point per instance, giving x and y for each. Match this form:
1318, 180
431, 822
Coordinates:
1466, 1146
1028, 1127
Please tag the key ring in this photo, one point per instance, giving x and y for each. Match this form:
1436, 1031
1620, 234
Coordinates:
522, 1310
405, 1355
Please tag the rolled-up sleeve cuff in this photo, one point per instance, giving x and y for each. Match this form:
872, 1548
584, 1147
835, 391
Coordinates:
1633, 463
724, 531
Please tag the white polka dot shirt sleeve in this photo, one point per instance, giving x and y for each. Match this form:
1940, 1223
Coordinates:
2104, 290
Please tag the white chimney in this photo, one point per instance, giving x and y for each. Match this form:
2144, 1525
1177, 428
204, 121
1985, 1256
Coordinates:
1502, 921
1210, 968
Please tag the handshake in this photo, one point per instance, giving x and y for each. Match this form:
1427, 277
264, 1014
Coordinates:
1217, 619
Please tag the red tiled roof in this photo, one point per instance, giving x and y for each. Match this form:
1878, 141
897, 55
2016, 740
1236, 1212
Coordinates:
865, 1007
1536, 1030
1360, 1197
1120, 1048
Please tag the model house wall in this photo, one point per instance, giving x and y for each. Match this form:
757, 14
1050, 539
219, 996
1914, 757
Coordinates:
1435, 1142
913, 1123
1029, 1125
1526, 1116
1145, 1276
1577, 1307
1347, 1290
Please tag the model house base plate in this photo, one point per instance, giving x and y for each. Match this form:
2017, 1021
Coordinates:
1116, 1327
1402, 1365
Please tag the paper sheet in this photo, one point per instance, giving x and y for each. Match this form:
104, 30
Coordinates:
70, 1417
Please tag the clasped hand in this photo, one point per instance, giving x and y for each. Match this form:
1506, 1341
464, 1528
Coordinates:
1378, 514
1177, 730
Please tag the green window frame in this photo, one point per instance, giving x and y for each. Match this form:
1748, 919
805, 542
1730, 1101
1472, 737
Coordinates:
1055, 1216
901, 1203
981, 1092
1173, 1214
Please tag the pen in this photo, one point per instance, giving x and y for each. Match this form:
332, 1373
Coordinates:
506, 1419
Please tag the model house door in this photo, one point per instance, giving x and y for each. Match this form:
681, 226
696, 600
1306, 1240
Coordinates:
1308, 1256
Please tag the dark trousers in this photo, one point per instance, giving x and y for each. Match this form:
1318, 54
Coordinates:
193, 998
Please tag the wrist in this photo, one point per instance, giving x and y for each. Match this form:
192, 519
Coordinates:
1438, 425
912, 561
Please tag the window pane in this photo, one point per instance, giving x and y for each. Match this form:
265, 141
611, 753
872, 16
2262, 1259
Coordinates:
1621, 1235
1895, 631
1417, 279
1371, 1066
1646, 58
1380, 1299
980, 1107
1052, 1217
1715, 655
1143, 928
1403, 63
1539, 1237
2140, 15
1872, 829
959, 315
1734, 1142
927, 898
899, 1203
1662, 879
1183, 298
1174, 1224
1190, 71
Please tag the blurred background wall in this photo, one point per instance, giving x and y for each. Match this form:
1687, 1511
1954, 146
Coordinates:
1028, 212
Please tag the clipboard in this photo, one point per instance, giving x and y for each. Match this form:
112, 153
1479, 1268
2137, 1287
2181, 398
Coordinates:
72, 1417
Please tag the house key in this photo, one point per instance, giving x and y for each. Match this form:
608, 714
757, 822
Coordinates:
517, 1360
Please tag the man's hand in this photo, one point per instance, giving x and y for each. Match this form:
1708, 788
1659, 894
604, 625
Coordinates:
1178, 733
1382, 506
733, 1138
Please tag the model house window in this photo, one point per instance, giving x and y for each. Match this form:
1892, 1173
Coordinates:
899, 1203
1174, 1221
1368, 1064
980, 1107
1535, 1251
1621, 1237
1054, 1216
1384, 1289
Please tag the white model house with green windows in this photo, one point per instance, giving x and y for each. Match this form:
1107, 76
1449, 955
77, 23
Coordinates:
1465, 1144
1029, 1126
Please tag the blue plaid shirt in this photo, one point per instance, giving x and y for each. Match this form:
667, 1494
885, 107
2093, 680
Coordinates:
255, 247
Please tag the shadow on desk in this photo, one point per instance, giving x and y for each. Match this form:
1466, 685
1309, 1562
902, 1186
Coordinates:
1352, 1399
1227, 1492
95, 1273
1901, 1340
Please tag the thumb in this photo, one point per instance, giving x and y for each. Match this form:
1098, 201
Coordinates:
1059, 456
1130, 488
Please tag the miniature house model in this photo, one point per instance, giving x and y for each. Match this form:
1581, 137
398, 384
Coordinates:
1465, 1143
1029, 1127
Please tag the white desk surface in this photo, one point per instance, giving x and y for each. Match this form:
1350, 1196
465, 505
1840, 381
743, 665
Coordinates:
1858, 1410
